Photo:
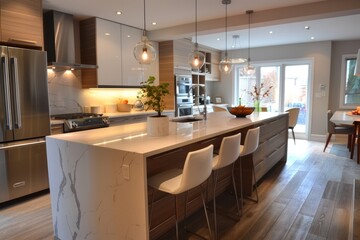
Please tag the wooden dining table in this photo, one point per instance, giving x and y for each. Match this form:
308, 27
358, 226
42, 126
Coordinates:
347, 118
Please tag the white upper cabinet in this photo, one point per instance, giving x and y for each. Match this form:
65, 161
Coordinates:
110, 45
134, 73
109, 54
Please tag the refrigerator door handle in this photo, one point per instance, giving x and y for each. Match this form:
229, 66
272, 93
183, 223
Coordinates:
15, 74
4, 66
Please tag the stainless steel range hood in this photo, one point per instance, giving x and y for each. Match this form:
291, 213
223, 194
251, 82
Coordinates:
59, 41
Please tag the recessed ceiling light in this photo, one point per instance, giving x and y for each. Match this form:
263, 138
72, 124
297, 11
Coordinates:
271, 32
153, 23
307, 27
312, 38
129, 36
107, 34
218, 39
118, 12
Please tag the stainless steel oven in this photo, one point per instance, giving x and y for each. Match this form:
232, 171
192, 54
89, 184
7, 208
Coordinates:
183, 85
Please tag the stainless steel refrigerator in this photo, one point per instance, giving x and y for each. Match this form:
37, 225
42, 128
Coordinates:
24, 122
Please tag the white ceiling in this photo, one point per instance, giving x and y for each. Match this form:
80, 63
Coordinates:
171, 13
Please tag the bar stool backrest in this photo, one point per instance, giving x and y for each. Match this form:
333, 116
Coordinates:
229, 151
251, 141
197, 168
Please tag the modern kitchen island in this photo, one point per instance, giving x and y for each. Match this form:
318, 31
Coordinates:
98, 178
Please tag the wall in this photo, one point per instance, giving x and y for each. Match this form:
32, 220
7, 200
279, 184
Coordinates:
320, 52
67, 96
338, 49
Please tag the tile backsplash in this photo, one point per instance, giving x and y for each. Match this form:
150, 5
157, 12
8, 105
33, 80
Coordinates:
67, 96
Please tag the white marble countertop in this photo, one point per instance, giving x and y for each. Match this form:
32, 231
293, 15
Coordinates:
133, 137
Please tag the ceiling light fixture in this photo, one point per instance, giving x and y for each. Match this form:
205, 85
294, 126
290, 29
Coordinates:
249, 69
144, 52
225, 64
357, 66
196, 58
118, 12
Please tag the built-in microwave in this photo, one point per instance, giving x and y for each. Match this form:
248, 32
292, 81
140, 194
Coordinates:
184, 110
184, 106
183, 85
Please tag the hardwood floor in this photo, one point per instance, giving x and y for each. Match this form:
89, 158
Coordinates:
309, 197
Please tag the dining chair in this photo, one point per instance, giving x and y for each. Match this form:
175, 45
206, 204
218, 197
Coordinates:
196, 170
251, 143
332, 128
293, 117
228, 154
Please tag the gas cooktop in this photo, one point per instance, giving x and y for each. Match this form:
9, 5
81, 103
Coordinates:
82, 121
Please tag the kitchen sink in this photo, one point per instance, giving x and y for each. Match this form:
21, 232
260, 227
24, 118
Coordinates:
186, 119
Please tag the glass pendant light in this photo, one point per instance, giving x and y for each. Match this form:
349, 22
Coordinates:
144, 51
225, 65
196, 58
249, 69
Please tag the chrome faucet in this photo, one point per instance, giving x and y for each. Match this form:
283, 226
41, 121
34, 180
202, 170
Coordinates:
204, 112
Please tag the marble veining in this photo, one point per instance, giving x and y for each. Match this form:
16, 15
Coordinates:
92, 196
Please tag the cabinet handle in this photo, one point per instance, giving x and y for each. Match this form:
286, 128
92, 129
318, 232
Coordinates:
19, 184
23, 41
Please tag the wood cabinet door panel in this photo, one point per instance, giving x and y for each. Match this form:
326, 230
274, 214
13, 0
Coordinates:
21, 22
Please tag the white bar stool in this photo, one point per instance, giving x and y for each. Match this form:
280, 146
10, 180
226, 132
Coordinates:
251, 143
228, 154
197, 169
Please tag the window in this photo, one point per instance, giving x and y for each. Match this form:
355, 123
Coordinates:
350, 84
269, 76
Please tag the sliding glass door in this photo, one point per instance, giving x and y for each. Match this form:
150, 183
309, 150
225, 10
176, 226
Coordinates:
296, 93
288, 84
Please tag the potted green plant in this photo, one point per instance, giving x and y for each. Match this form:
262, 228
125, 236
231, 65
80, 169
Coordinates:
153, 97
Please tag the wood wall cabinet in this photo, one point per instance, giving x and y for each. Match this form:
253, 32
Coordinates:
110, 46
214, 75
21, 23
173, 57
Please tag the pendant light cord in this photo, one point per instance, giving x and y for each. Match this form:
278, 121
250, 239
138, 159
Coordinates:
144, 31
226, 23
249, 12
196, 44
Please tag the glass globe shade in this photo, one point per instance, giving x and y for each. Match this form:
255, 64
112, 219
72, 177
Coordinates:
144, 51
225, 66
196, 59
249, 69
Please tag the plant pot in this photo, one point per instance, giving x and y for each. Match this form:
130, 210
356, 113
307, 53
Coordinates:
157, 126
